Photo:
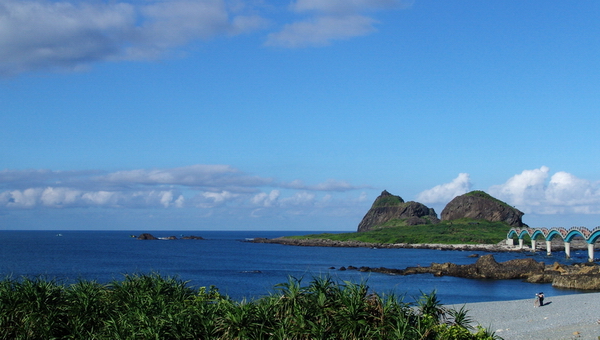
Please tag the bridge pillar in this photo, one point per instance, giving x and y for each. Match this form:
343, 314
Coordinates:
590, 252
568, 249
510, 242
533, 245
548, 248
520, 243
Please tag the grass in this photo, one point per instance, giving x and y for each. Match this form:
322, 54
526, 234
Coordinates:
388, 201
463, 231
483, 194
155, 307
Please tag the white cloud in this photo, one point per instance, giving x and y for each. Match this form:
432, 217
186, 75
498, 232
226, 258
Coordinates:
363, 197
531, 191
564, 193
59, 196
266, 200
320, 31
27, 198
444, 193
274, 199
21, 179
48, 34
246, 23
328, 185
299, 198
566, 189
227, 188
194, 176
100, 198
345, 6
526, 188
219, 197
44, 34
207, 187
71, 35
167, 199
168, 24
330, 20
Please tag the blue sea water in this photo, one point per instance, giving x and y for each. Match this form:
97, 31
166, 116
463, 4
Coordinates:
249, 270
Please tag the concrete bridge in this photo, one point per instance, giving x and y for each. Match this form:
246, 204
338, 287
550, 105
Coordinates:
567, 235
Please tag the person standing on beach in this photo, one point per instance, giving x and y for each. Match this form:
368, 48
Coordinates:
540, 296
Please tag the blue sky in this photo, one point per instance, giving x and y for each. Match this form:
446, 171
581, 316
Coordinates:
294, 115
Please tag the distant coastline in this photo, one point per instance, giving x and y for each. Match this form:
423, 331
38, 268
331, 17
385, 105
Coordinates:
356, 244
499, 247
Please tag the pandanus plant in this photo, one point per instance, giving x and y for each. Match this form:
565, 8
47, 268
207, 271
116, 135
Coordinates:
155, 307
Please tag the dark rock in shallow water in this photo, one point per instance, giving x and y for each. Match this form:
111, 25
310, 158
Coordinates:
486, 267
146, 236
192, 237
582, 281
583, 276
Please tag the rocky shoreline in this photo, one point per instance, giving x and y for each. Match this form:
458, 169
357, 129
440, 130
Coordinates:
584, 276
357, 244
500, 247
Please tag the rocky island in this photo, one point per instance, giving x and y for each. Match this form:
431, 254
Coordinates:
475, 209
478, 205
388, 207
147, 236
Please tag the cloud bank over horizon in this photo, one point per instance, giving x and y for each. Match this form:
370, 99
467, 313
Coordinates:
206, 187
44, 35
201, 187
531, 191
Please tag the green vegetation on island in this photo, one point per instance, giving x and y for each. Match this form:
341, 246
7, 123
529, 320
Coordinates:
154, 307
485, 195
389, 201
461, 231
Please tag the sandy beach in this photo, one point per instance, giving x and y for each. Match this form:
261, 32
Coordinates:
562, 317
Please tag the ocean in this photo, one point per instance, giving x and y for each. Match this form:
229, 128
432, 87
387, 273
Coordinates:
245, 270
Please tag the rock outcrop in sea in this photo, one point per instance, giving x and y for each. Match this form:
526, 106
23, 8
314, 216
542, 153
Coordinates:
479, 205
389, 207
146, 236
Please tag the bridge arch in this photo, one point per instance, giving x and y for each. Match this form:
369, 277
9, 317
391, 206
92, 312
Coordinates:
594, 235
552, 234
537, 233
573, 233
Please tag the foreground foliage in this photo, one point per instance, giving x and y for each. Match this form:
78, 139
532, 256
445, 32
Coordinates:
153, 307
464, 231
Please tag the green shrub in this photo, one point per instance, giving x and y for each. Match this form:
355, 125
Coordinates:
464, 231
155, 307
